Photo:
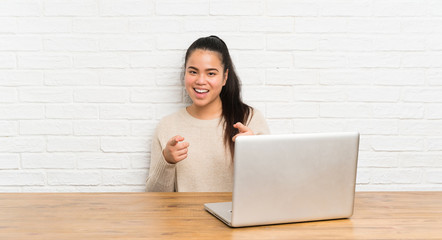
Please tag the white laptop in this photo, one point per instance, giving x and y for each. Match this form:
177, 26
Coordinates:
291, 178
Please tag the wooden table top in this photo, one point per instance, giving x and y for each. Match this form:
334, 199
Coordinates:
377, 215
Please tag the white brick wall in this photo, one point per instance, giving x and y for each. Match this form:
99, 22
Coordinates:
84, 83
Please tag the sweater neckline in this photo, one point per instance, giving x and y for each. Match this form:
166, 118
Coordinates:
193, 119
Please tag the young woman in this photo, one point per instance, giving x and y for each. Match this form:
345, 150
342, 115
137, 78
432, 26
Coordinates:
192, 149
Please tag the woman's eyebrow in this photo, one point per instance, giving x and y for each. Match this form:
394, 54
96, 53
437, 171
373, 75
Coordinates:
212, 69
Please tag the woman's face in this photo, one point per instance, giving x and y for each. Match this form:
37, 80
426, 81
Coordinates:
204, 78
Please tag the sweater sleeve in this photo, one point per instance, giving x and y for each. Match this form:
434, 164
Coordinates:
162, 175
258, 123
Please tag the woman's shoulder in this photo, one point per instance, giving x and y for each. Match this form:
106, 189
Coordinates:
172, 118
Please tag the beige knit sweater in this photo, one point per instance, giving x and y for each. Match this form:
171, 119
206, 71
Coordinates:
208, 166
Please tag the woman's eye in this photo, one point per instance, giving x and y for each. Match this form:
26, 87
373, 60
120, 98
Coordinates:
212, 74
192, 72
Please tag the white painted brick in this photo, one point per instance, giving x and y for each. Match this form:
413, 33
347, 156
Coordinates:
362, 177
20, 8
284, 42
398, 110
345, 77
376, 94
280, 126
434, 143
162, 110
267, 94
101, 95
236, 8
185, 7
127, 44
264, 60
291, 110
125, 111
291, 77
21, 178
143, 128
103, 160
9, 161
155, 95
125, 144
372, 126
8, 25
420, 127
77, 111
83, 44
251, 76
397, 143
133, 77
377, 159
345, 8
399, 77
347, 110
100, 25
433, 111
126, 7
433, 176
417, 25
20, 43
245, 42
133, 177
101, 128
433, 60
22, 144
374, 25
44, 25
59, 178
7, 60
45, 127
70, 8
320, 60
101, 60
346, 43
434, 7
8, 95
393, 8
434, 77
21, 78
323, 94
22, 111
44, 61
429, 95
165, 59
320, 25
140, 161
400, 43
396, 176
48, 160
317, 125
167, 77
72, 144
375, 60
156, 25
421, 159
174, 41
71, 78
8, 128
270, 24
221, 24
296, 8
45, 94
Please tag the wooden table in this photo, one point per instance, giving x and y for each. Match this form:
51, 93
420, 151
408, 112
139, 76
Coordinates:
378, 215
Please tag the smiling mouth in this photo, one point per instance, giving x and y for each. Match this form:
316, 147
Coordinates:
201, 90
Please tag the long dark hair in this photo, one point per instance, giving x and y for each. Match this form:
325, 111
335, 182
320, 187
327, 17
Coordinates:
233, 108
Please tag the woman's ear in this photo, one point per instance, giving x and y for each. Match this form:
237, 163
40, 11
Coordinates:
226, 74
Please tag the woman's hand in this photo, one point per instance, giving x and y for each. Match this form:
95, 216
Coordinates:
175, 150
243, 130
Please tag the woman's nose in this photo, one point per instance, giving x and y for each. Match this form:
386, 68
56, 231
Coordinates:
200, 79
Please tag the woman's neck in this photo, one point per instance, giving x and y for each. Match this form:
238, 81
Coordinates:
207, 112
